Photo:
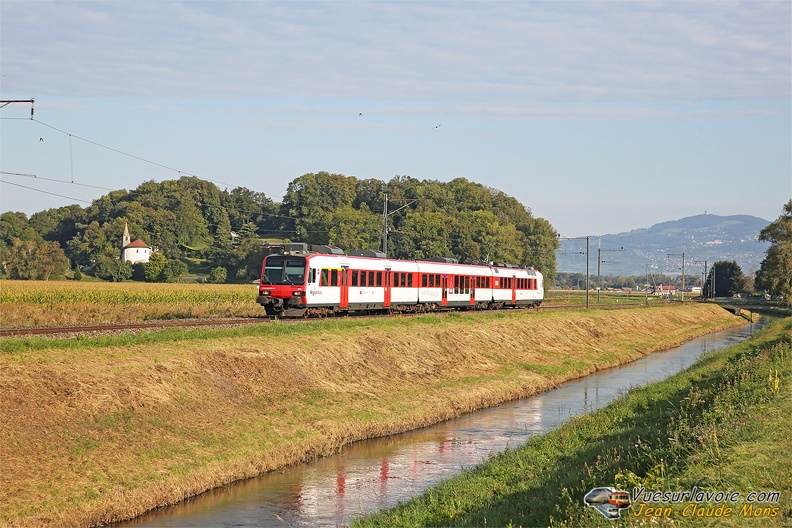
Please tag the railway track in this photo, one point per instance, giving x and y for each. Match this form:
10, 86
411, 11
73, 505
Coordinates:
189, 323
115, 327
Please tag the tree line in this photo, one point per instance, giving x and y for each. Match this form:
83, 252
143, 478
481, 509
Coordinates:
193, 218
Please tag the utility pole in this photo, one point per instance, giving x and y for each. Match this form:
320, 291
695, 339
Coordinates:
683, 270
385, 215
587, 262
6, 102
599, 260
385, 227
703, 275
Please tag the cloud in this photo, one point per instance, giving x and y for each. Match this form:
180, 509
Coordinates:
463, 51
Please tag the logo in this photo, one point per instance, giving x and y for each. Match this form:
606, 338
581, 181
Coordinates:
608, 501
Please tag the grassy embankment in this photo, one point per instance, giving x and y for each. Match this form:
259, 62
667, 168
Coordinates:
41, 303
100, 429
723, 425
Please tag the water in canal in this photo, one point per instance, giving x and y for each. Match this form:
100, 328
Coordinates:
376, 474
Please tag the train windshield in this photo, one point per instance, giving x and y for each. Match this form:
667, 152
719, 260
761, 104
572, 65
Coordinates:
284, 270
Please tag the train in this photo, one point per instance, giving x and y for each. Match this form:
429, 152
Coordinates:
298, 280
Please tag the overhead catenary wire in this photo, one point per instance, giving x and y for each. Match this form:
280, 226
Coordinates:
45, 192
124, 153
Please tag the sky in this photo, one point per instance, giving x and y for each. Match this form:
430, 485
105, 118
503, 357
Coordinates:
601, 117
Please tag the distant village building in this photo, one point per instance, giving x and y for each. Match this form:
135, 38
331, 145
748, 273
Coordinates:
134, 251
664, 291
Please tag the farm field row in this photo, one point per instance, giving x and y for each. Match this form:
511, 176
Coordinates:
98, 430
41, 303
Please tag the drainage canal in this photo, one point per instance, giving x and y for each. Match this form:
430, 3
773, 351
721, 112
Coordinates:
374, 474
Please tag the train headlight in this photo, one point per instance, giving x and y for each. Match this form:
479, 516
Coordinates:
266, 293
298, 294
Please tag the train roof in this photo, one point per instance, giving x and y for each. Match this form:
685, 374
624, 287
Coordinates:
436, 266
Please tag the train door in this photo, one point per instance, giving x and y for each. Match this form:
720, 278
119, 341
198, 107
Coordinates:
472, 290
444, 284
344, 288
514, 282
387, 284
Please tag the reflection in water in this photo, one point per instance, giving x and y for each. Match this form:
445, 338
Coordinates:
371, 475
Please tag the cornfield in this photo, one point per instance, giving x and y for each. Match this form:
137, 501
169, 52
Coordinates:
40, 303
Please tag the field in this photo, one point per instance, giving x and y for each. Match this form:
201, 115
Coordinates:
606, 298
59, 303
101, 429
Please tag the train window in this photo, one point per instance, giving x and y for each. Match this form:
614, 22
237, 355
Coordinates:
409, 280
323, 278
312, 276
379, 279
456, 284
370, 278
424, 280
333, 278
467, 285
363, 278
355, 279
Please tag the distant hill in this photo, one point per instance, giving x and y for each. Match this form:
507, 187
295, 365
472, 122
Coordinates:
703, 237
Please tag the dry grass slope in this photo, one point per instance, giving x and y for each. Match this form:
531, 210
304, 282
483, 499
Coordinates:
96, 435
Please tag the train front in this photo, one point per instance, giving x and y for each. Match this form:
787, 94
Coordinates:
282, 285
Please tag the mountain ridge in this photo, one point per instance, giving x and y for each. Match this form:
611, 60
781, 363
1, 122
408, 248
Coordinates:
704, 238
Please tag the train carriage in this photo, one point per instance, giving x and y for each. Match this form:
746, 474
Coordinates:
300, 283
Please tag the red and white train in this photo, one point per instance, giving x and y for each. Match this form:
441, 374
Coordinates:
299, 283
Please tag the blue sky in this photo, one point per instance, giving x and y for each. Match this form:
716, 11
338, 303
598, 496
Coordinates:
599, 116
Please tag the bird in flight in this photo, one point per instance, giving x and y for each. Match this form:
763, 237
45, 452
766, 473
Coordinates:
438, 126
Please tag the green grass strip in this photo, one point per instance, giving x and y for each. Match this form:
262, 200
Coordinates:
721, 425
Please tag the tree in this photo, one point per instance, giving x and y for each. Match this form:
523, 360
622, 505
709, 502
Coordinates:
218, 275
19, 260
154, 267
31, 259
729, 280
173, 269
49, 260
111, 269
775, 272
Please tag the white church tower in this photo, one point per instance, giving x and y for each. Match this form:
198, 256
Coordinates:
133, 251
125, 242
